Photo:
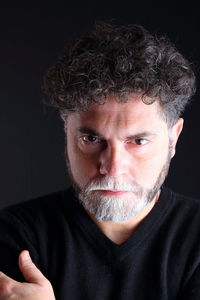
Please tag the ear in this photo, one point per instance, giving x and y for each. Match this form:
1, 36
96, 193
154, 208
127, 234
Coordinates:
174, 135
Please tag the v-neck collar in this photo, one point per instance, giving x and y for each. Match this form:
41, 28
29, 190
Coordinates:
105, 246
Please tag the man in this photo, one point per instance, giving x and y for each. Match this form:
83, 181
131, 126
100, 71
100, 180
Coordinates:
117, 233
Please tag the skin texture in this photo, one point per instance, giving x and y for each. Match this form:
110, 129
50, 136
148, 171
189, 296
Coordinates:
99, 145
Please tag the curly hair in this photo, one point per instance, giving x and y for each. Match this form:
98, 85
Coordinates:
116, 61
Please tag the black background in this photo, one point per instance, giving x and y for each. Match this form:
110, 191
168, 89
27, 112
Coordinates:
31, 134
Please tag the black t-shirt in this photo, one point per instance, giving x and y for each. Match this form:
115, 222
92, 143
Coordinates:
160, 261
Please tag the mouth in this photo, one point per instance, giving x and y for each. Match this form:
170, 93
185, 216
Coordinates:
112, 192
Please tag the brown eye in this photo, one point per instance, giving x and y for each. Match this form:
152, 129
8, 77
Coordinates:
140, 141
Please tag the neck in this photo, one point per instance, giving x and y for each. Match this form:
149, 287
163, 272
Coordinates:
120, 232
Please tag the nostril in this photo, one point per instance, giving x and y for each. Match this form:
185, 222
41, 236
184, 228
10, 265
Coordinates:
103, 170
112, 169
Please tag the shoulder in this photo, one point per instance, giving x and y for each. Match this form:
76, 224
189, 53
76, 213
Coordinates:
36, 209
185, 202
177, 199
182, 213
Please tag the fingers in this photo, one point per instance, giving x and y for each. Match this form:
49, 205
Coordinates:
37, 287
6, 284
30, 272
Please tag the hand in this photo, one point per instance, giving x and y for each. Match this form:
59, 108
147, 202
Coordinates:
37, 286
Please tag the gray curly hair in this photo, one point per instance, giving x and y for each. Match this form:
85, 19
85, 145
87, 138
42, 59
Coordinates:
117, 61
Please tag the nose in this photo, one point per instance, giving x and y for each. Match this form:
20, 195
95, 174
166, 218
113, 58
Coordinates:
114, 161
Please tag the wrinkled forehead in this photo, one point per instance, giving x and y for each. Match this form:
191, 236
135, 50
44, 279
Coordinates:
112, 116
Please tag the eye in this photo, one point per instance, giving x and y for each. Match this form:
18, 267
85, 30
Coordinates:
140, 141
90, 144
90, 139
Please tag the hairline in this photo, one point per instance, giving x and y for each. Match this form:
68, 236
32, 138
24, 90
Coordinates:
65, 113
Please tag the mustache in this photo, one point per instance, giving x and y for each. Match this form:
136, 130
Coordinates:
110, 183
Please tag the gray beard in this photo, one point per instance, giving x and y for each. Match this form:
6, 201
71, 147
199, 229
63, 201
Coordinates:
118, 208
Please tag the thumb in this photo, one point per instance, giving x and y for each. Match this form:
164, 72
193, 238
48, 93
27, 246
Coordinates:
30, 272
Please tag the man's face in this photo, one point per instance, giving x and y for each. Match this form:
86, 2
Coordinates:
118, 156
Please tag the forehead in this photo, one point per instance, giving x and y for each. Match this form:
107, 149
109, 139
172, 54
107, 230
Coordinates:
117, 115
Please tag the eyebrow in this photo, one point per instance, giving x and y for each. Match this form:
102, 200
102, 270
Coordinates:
87, 130
141, 134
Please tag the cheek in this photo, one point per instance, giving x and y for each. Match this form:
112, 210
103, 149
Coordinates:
83, 167
150, 165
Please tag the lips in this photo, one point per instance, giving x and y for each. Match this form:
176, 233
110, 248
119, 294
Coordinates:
113, 192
